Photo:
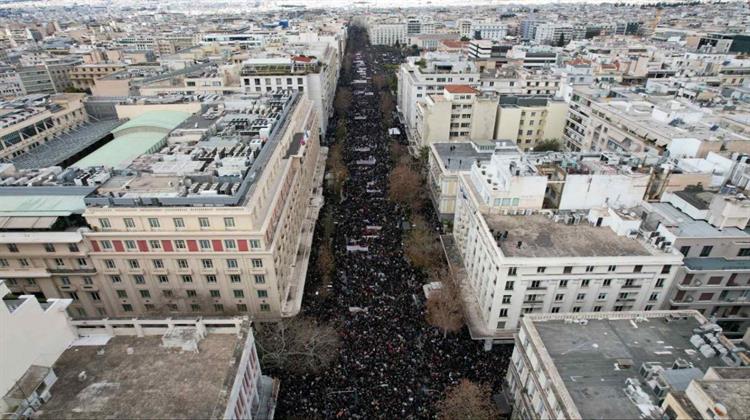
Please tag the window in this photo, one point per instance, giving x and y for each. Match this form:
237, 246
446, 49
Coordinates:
122, 294
195, 307
65, 281
659, 283
230, 244
264, 307
555, 310
612, 268
172, 307
106, 245
154, 223
115, 279
139, 279
179, 222
163, 279
204, 244
262, 293
576, 309
238, 293
706, 251
589, 268
73, 248
713, 280
23, 262
87, 281
129, 223
12, 248
508, 285
602, 296
512, 271
541, 269
744, 252
506, 299
684, 250
687, 279
95, 296
182, 263
179, 244
167, 293
134, 264
104, 223
597, 308
49, 247
191, 293
536, 284
203, 222
158, 264
637, 268
59, 262
207, 263
127, 307
232, 263
241, 307
653, 297
260, 279
187, 278
210, 278
229, 222
154, 244
31, 282
215, 293
82, 262
567, 270
559, 297
706, 296
563, 283
630, 283
234, 278
129, 244
257, 263
149, 307
145, 294
585, 283
666, 269
503, 313
581, 296
254, 243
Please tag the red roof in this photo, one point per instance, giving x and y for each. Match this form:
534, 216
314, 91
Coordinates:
301, 58
453, 44
460, 89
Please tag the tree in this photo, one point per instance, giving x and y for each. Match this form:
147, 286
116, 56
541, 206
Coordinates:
444, 307
561, 41
422, 246
326, 263
465, 39
468, 400
387, 106
378, 81
343, 101
405, 186
550, 145
337, 168
298, 345
341, 130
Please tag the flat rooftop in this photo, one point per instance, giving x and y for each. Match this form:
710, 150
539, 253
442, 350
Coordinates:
459, 156
586, 358
151, 382
542, 237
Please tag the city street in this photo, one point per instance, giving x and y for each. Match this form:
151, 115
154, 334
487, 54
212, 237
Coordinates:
391, 363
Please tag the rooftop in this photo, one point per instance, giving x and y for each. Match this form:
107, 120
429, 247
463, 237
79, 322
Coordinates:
459, 156
594, 359
132, 377
734, 395
541, 237
465, 89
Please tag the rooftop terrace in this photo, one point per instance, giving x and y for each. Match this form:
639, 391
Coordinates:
541, 237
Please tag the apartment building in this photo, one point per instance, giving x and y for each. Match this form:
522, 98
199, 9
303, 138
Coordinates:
640, 364
420, 77
493, 31
448, 161
31, 121
645, 127
530, 120
518, 263
708, 228
315, 75
82, 76
517, 80
51, 363
387, 33
458, 113
218, 222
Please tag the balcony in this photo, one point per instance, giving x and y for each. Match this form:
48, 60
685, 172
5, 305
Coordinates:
72, 270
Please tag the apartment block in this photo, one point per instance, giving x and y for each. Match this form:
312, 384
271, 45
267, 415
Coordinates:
459, 113
642, 364
31, 121
212, 212
518, 262
708, 228
82, 76
530, 120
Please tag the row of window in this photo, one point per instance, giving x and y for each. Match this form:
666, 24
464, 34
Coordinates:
195, 307
513, 271
187, 278
206, 263
576, 309
537, 284
190, 293
178, 244
155, 223
47, 247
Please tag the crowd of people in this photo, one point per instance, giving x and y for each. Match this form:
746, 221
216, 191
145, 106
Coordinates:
391, 363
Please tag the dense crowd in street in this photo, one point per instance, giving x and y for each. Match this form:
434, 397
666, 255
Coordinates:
391, 363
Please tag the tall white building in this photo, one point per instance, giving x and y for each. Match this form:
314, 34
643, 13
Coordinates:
387, 33
494, 31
